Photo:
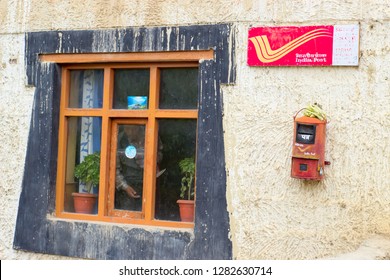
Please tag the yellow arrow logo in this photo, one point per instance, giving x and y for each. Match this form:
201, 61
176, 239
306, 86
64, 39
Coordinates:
303, 150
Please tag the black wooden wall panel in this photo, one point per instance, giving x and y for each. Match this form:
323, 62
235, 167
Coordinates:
36, 229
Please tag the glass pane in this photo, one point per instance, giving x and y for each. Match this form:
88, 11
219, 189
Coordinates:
177, 141
179, 88
82, 162
130, 167
86, 89
131, 89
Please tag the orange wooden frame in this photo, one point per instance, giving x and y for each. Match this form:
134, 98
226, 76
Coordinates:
111, 194
110, 119
177, 56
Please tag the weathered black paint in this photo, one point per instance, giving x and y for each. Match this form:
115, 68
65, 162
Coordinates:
38, 233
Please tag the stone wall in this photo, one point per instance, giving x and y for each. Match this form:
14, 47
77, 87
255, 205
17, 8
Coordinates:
272, 216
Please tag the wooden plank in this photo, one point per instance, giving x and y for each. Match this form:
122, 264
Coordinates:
125, 219
179, 114
105, 143
112, 168
62, 136
124, 113
82, 112
151, 146
132, 65
176, 56
120, 113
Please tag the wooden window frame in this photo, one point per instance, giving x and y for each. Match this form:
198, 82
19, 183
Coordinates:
111, 211
110, 117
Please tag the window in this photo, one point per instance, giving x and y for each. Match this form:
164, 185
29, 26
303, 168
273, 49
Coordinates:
212, 49
141, 119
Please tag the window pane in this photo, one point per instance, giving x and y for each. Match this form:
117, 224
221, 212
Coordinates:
86, 89
177, 141
130, 167
84, 139
179, 88
131, 89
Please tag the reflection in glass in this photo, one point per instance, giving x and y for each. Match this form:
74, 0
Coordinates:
177, 140
130, 167
84, 138
179, 88
131, 89
86, 89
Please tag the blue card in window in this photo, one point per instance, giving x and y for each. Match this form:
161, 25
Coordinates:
137, 102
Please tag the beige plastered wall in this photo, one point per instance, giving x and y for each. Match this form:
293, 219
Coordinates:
272, 216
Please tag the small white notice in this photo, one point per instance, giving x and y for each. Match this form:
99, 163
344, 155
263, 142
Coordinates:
346, 45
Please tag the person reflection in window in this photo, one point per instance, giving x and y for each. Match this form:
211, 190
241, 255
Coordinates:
130, 167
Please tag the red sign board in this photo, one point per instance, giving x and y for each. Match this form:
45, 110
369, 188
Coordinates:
303, 45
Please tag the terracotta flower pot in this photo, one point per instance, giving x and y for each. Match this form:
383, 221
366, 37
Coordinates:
84, 202
186, 208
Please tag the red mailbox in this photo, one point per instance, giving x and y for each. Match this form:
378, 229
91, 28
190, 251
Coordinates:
308, 153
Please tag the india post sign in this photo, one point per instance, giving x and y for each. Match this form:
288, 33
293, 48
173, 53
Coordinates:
328, 45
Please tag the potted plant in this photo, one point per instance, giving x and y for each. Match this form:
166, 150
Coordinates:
186, 203
87, 172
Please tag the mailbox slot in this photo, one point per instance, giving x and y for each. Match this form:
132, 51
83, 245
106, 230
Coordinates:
306, 134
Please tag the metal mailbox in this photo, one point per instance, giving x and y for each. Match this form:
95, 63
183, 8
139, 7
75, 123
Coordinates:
308, 154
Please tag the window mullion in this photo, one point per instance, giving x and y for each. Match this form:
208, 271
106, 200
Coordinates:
105, 141
62, 136
151, 145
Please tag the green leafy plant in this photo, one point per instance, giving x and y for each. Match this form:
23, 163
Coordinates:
88, 171
315, 111
187, 169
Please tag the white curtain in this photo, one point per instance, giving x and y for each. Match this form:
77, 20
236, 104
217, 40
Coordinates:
91, 91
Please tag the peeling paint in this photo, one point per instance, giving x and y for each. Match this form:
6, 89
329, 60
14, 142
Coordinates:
271, 215
35, 232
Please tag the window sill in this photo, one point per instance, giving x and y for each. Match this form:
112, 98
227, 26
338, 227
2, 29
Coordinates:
156, 225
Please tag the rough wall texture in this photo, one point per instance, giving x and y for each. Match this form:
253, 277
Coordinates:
288, 218
272, 215
275, 216
15, 111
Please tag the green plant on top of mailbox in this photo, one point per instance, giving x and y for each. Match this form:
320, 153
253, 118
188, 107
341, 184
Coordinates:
315, 111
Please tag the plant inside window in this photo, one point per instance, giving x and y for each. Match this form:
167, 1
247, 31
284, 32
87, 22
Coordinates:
132, 192
187, 169
186, 203
88, 172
